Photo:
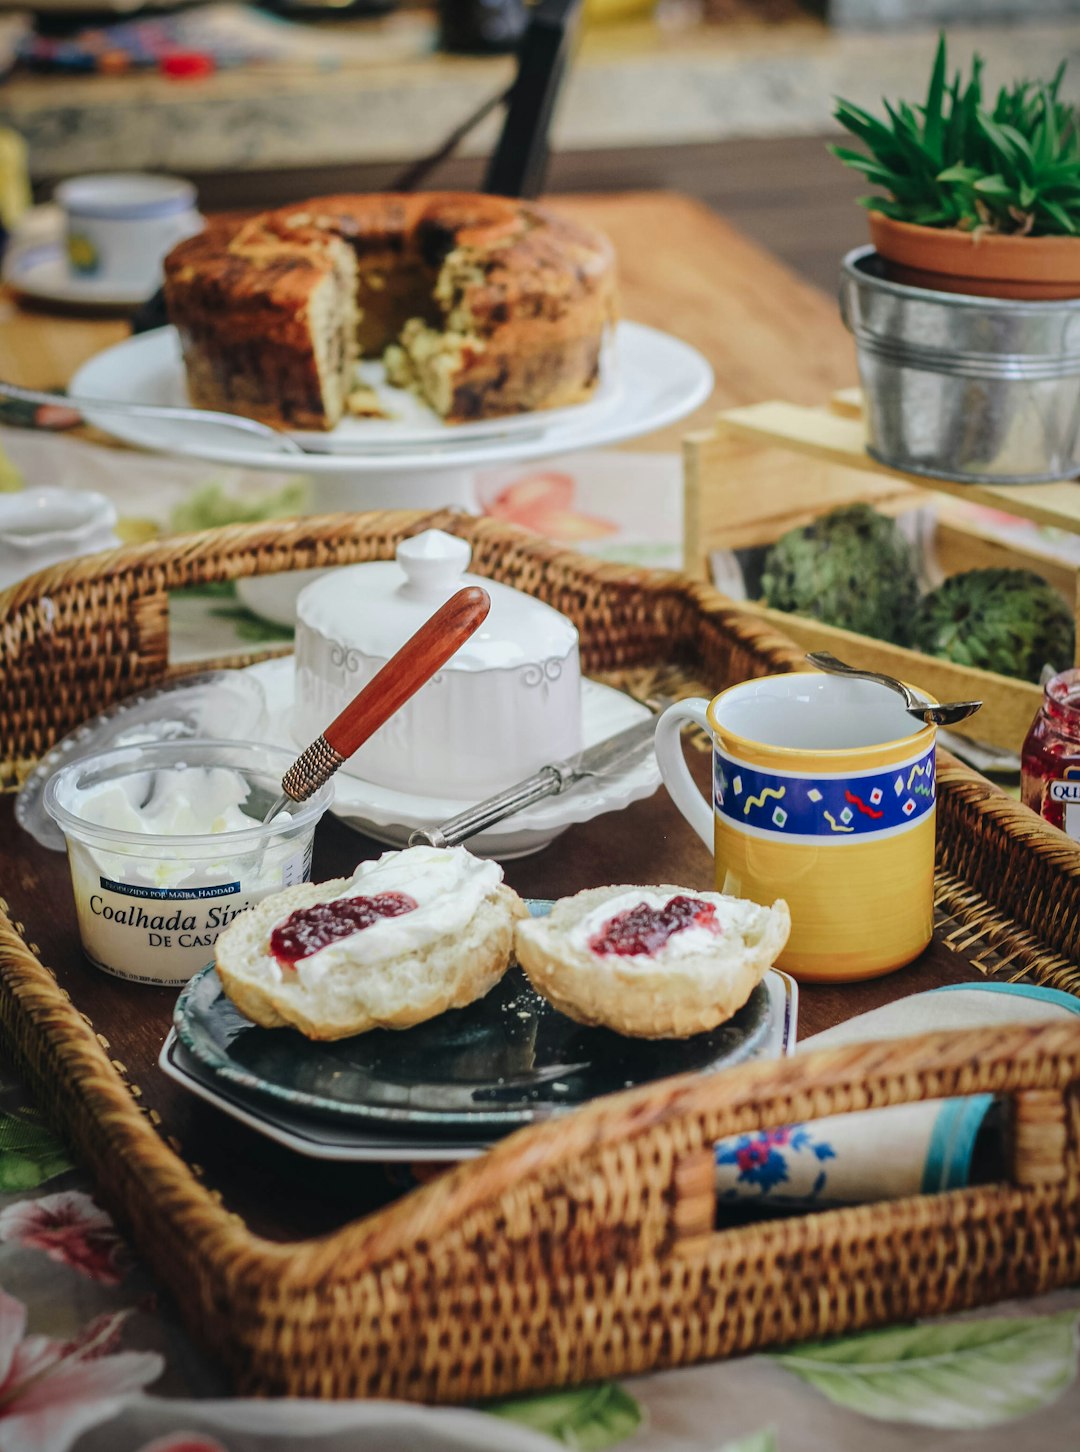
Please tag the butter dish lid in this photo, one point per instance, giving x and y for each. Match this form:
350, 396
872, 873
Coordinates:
375, 608
225, 705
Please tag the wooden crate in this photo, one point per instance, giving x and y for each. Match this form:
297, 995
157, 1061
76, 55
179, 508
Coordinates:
767, 468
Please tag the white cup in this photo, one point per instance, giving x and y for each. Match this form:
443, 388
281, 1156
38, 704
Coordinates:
120, 225
40, 527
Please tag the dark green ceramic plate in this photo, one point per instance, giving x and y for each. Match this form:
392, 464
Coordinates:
507, 1060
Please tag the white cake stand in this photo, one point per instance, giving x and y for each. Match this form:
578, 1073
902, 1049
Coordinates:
410, 459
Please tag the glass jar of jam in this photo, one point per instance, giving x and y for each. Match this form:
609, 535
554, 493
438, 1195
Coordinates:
1050, 758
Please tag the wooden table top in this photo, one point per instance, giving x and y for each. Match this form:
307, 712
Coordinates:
766, 333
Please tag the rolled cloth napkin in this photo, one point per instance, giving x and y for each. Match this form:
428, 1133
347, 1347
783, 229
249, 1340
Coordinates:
883, 1154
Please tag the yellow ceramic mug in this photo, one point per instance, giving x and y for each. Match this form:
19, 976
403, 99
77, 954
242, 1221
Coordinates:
823, 794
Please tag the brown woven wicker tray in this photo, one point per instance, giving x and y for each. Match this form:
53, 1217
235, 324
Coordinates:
584, 1247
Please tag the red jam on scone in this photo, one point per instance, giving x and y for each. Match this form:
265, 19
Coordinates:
643, 930
308, 930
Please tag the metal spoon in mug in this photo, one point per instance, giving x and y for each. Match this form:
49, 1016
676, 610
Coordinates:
387, 691
946, 714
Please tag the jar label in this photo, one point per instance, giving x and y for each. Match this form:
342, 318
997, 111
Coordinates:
1067, 795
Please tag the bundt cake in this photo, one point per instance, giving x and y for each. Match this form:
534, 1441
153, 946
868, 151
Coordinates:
481, 305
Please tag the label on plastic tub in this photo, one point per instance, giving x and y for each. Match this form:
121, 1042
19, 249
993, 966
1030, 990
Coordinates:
171, 930
167, 848
297, 868
147, 933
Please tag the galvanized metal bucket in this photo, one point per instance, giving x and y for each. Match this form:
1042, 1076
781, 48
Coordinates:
975, 389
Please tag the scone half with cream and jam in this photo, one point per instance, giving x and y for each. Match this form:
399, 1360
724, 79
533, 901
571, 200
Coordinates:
403, 939
651, 962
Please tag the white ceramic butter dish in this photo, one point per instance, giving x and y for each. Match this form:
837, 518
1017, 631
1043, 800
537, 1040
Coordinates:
392, 816
505, 704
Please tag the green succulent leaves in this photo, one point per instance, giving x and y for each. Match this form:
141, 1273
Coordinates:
957, 160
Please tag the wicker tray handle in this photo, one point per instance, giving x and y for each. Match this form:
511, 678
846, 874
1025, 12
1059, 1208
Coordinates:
586, 1247
645, 1157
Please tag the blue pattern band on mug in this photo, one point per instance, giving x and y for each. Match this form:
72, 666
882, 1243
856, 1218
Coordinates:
883, 801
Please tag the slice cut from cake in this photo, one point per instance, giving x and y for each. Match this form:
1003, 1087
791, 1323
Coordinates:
267, 328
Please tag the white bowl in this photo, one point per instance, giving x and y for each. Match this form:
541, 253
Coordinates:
40, 527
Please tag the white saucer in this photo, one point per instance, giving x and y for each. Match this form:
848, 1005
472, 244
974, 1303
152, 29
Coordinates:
651, 380
391, 816
41, 273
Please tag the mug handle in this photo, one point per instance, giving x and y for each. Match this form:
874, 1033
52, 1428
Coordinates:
681, 786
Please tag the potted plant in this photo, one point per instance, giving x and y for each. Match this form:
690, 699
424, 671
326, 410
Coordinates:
980, 198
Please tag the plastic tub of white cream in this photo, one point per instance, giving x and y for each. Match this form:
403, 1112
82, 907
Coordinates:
167, 845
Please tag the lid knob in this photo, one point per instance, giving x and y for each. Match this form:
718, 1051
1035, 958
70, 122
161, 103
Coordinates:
433, 561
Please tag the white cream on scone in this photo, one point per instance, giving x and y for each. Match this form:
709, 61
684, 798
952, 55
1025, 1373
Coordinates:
447, 884
451, 949
691, 982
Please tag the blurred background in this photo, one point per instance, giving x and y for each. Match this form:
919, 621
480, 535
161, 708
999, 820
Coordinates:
729, 101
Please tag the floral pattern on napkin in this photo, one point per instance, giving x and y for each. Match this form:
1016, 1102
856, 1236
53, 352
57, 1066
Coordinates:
30, 1153
71, 1230
51, 1390
771, 1157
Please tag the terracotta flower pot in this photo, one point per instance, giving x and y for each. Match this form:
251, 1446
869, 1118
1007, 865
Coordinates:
981, 263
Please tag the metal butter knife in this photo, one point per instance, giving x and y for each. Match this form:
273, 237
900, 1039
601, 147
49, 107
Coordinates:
617, 754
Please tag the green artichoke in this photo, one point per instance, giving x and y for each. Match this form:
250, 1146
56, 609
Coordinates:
1009, 621
852, 568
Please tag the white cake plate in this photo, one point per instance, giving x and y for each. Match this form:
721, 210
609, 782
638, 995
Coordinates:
391, 816
650, 380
